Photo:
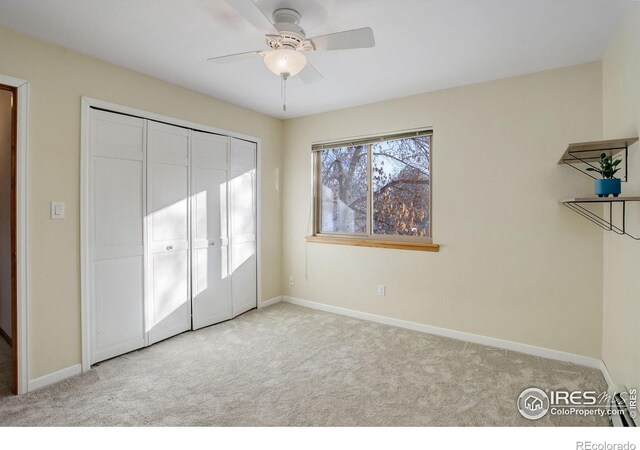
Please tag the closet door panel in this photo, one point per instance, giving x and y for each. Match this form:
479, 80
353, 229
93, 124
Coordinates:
242, 218
119, 307
117, 136
169, 286
168, 200
169, 299
118, 203
116, 234
211, 296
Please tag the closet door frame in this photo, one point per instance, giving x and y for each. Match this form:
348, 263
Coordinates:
86, 104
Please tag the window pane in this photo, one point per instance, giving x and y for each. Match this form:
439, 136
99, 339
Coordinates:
401, 187
343, 192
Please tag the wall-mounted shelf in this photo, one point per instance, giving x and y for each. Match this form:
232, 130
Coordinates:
582, 155
605, 221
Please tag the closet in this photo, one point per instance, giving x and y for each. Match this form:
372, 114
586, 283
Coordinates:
171, 231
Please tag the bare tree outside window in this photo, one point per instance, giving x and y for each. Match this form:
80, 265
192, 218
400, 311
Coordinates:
401, 187
344, 190
380, 188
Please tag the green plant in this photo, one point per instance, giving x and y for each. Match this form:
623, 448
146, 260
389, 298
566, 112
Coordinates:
608, 166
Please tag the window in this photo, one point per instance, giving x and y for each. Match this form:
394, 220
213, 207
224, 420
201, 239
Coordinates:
374, 189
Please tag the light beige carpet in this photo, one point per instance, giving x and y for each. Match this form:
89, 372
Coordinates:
288, 365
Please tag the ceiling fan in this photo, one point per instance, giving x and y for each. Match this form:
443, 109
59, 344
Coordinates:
288, 43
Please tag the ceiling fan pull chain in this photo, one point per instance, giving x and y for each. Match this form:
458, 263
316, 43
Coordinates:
283, 90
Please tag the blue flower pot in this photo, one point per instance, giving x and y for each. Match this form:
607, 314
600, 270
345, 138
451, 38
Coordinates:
606, 186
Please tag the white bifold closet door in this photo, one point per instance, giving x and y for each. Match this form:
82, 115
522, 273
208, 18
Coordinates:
210, 230
242, 222
224, 228
116, 239
168, 284
171, 231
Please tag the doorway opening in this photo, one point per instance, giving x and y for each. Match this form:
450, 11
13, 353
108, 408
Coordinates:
8, 242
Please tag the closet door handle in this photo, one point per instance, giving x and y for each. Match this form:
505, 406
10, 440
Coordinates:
169, 247
211, 243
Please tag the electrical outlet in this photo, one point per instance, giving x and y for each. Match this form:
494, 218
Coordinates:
382, 290
292, 280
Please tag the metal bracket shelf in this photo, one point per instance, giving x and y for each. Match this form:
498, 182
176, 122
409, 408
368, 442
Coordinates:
576, 204
583, 155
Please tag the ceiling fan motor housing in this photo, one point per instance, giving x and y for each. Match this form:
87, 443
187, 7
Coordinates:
292, 36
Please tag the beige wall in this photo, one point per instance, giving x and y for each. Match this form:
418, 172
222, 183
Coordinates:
514, 263
5, 210
58, 78
621, 298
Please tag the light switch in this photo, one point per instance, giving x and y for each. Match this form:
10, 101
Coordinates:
57, 210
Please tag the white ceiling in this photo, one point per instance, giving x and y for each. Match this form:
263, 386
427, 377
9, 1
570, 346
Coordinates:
421, 45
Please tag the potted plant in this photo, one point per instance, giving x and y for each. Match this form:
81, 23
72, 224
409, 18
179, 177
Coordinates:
608, 184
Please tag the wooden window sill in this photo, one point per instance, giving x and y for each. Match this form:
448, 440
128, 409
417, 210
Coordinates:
360, 242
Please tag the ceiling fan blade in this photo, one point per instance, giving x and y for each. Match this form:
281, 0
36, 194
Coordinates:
250, 11
310, 74
359, 38
236, 57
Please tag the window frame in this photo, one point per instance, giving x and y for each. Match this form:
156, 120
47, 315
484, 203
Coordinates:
407, 242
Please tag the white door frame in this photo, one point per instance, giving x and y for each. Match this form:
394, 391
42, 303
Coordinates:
22, 149
86, 103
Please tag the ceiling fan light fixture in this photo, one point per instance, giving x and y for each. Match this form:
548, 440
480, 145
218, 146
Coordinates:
285, 61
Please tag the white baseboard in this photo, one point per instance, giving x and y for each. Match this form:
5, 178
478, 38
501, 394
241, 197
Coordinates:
459, 335
607, 376
270, 302
54, 377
